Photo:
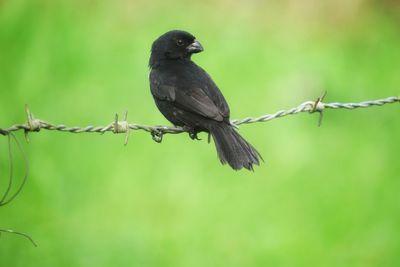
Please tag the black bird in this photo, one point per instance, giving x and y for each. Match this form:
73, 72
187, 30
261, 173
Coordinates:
187, 96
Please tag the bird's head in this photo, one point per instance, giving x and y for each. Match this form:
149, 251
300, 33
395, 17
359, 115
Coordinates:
174, 45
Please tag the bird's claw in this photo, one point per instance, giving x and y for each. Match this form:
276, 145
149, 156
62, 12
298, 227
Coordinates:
194, 136
192, 133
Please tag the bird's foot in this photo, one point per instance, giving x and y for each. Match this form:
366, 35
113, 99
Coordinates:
194, 136
192, 133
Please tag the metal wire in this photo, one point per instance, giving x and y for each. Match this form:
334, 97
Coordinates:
157, 132
6, 198
35, 125
8, 231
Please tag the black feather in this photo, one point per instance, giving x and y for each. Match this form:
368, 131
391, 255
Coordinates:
187, 96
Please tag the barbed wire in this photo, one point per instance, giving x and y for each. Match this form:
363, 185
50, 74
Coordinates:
35, 125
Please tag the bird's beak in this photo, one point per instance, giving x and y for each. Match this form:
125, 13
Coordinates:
194, 47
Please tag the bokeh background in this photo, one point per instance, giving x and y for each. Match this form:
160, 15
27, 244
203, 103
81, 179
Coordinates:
325, 196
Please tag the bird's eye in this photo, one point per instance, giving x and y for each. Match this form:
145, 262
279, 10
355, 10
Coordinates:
180, 42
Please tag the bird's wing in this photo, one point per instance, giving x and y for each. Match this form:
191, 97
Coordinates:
213, 92
193, 100
207, 101
197, 101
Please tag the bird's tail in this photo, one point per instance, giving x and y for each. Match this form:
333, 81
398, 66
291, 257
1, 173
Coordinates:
232, 148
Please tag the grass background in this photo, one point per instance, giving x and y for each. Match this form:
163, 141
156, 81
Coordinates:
326, 196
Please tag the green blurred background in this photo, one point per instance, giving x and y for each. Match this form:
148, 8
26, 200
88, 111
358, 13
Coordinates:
325, 196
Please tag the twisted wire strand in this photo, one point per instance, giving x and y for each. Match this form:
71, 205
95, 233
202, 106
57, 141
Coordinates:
35, 125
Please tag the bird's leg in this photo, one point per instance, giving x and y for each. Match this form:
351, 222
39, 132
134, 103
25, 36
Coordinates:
192, 132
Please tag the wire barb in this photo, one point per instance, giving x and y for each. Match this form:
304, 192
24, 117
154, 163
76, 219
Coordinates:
122, 126
319, 107
34, 125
